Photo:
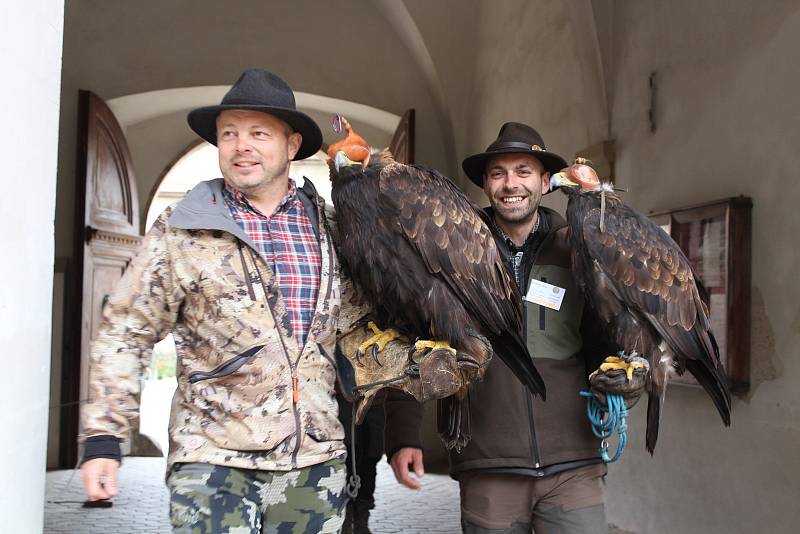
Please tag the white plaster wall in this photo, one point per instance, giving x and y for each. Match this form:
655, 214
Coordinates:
728, 123
449, 29
28, 147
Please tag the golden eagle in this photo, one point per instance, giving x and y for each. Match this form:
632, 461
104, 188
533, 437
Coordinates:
643, 287
422, 254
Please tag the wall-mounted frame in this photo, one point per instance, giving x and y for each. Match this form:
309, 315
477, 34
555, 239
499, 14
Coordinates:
716, 238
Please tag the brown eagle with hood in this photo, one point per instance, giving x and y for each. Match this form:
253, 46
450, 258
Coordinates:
421, 253
643, 287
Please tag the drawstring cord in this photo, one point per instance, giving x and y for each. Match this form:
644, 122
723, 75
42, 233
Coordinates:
353, 481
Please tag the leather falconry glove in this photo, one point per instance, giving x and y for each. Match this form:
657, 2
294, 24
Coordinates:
624, 375
425, 375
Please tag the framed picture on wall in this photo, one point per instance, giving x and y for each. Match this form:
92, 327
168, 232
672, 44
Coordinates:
716, 239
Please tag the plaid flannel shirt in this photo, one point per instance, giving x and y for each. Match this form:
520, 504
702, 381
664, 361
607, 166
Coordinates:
287, 242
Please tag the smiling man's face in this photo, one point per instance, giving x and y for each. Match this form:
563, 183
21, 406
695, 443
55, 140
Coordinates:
254, 149
514, 184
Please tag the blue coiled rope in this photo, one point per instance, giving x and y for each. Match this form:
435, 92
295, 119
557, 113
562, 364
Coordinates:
605, 420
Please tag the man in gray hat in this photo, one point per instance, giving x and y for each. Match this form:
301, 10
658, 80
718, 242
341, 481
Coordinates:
530, 464
243, 273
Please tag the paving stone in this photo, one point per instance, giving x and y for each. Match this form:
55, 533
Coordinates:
143, 504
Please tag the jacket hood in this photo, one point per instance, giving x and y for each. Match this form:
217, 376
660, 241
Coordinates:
204, 208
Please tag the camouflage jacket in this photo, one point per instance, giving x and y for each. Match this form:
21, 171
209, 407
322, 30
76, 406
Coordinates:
248, 396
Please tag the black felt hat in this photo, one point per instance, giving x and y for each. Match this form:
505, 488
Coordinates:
259, 90
514, 138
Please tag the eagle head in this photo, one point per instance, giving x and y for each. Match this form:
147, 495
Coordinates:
578, 176
352, 150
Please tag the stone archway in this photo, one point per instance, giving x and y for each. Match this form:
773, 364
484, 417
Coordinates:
154, 123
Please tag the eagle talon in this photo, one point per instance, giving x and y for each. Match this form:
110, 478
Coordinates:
374, 353
376, 343
410, 354
622, 362
358, 357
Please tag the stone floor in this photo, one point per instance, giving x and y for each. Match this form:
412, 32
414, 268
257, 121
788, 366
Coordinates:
141, 506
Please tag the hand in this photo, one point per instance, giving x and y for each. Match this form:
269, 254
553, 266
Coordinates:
100, 478
400, 462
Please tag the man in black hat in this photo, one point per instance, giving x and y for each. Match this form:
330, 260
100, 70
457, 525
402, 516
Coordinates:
530, 464
243, 273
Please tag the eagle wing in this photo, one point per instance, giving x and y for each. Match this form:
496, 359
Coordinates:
647, 272
453, 238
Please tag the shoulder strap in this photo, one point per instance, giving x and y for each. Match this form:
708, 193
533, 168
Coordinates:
307, 195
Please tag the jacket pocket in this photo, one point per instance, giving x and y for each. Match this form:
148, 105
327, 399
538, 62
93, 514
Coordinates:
241, 406
255, 434
321, 423
226, 368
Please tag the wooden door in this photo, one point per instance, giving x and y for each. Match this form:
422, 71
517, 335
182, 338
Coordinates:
402, 144
107, 237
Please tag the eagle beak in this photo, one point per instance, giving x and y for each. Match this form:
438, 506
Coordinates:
560, 179
341, 160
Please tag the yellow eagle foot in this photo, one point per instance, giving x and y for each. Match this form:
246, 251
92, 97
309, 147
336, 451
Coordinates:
622, 362
377, 342
430, 345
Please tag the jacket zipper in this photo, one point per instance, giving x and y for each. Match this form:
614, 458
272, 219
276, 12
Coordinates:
331, 261
247, 279
542, 311
292, 368
537, 461
227, 368
534, 441
529, 397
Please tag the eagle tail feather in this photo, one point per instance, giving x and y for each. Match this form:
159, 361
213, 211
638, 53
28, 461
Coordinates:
654, 404
453, 422
656, 393
709, 373
714, 383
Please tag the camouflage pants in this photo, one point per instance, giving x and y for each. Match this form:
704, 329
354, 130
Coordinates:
211, 499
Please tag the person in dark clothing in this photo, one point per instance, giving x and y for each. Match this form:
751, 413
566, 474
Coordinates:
530, 464
368, 438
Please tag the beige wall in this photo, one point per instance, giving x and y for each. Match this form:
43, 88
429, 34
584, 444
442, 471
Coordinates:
536, 63
728, 123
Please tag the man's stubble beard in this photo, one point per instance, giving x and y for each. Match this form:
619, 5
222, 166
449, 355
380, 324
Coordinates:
515, 218
267, 179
